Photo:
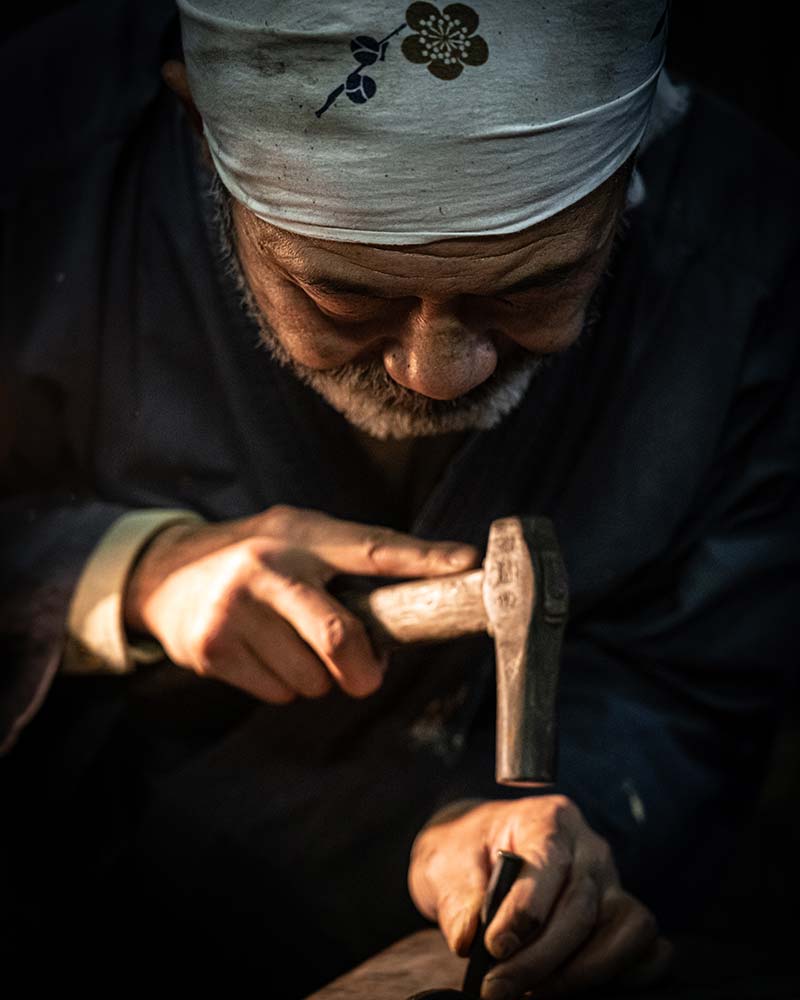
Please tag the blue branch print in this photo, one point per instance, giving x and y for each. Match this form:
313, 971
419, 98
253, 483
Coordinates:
359, 87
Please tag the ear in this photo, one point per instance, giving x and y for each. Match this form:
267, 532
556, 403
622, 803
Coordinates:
173, 73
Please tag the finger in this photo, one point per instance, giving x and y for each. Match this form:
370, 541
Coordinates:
458, 915
571, 923
527, 907
449, 894
626, 951
242, 669
281, 650
335, 634
448, 886
351, 547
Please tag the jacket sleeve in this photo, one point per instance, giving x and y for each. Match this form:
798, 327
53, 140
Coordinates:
64, 561
49, 524
52, 518
45, 540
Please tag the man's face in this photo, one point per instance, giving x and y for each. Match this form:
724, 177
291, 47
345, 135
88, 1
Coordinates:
419, 340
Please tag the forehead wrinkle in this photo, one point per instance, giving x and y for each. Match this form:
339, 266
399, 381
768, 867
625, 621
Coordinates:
350, 272
480, 248
520, 262
305, 258
366, 277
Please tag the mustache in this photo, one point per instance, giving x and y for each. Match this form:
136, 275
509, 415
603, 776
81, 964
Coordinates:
370, 378
369, 398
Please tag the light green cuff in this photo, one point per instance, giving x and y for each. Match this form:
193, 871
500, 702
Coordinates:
96, 637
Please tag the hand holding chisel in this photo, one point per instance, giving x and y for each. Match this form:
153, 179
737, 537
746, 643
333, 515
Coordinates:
506, 868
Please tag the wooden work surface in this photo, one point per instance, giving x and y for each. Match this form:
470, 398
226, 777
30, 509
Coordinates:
420, 962
705, 969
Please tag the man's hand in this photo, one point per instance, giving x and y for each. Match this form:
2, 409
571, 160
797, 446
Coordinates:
566, 924
245, 601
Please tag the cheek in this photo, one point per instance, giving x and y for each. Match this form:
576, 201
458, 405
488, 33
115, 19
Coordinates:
549, 337
313, 339
544, 330
552, 321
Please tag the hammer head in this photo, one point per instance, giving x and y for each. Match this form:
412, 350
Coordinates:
520, 598
525, 595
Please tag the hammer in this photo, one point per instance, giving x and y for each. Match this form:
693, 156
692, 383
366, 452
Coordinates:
520, 598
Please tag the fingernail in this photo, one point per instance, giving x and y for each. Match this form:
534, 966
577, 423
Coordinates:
505, 945
459, 557
496, 988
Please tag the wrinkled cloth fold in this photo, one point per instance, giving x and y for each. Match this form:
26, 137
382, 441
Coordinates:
369, 124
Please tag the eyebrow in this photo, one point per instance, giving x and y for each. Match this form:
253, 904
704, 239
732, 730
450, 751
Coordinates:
543, 279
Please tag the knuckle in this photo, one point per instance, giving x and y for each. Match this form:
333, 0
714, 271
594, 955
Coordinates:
336, 632
250, 559
560, 807
603, 854
253, 551
585, 904
228, 599
279, 519
375, 543
559, 858
428, 552
229, 595
555, 854
211, 649
293, 586
239, 562
203, 667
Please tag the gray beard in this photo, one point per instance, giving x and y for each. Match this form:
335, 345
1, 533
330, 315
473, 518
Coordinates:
364, 393
372, 401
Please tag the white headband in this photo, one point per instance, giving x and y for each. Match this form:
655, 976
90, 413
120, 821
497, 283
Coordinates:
378, 122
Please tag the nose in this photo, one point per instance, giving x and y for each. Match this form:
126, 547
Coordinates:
439, 355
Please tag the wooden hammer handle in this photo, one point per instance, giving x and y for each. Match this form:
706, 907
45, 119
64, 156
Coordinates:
430, 610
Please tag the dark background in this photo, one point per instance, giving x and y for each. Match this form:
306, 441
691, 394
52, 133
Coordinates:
742, 53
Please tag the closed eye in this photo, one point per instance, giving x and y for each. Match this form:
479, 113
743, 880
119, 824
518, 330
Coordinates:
553, 277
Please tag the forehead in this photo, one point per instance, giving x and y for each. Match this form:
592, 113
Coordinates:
573, 233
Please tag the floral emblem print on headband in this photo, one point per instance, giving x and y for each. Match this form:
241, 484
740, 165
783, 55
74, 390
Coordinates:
445, 42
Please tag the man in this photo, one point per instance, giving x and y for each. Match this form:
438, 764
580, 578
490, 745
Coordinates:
472, 307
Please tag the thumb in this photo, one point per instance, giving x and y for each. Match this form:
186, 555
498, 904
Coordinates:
447, 883
458, 916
